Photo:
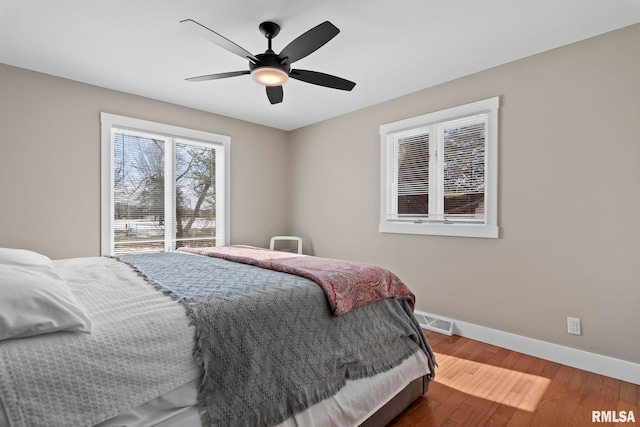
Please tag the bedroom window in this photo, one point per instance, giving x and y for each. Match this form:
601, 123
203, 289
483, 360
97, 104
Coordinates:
163, 187
439, 172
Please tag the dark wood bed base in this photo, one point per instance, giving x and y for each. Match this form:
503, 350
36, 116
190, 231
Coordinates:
398, 403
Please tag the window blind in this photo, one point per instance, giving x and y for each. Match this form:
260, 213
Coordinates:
413, 174
463, 167
138, 192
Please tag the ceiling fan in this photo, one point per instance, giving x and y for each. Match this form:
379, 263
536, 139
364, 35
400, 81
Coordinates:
271, 69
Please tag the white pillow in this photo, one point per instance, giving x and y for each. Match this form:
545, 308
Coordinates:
35, 300
23, 257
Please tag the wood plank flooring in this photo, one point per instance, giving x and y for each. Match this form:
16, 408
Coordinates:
479, 384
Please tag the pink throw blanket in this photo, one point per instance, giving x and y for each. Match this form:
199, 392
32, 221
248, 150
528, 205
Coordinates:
346, 284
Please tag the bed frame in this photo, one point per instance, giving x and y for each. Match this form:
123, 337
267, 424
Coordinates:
398, 403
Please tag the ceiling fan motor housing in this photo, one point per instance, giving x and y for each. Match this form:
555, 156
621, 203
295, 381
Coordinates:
269, 60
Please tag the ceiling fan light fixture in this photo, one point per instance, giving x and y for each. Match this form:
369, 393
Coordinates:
269, 76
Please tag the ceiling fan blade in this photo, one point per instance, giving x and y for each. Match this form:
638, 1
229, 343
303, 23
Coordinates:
216, 38
309, 42
218, 76
275, 94
322, 79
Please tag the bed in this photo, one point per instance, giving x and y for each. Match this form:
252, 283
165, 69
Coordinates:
130, 342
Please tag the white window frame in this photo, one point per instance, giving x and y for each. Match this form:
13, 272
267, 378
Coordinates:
110, 121
389, 133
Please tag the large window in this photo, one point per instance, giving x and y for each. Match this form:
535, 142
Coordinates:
163, 187
439, 172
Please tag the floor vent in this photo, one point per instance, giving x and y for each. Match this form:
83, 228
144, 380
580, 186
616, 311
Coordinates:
436, 324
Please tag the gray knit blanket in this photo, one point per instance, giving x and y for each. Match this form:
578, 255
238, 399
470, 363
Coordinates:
266, 341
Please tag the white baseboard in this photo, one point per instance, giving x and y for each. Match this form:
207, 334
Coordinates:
592, 362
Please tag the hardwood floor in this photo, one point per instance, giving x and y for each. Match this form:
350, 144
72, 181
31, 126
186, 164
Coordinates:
479, 384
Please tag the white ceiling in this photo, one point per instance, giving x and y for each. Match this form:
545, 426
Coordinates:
389, 48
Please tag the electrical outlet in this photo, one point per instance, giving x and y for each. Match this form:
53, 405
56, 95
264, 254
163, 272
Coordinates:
573, 326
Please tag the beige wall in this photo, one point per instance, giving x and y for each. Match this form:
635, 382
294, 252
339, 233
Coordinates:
569, 199
50, 163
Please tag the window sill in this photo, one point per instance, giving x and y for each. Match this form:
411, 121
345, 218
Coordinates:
456, 230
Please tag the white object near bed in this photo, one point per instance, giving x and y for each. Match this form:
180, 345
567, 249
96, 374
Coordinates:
274, 239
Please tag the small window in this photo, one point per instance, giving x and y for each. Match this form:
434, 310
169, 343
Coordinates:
163, 187
439, 172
